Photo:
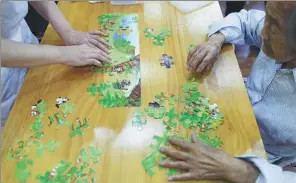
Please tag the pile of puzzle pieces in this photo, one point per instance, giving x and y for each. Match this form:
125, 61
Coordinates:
198, 115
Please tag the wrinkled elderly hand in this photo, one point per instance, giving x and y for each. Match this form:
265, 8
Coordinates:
203, 56
198, 161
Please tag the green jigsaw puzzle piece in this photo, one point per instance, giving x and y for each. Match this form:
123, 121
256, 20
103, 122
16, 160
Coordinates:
68, 108
191, 47
172, 99
189, 87
51, 120
171, 171
21, 172
92, 89
50, 147
138, 120
149, 163
172, 115
157, 113
60, 121
93, 154
42, 107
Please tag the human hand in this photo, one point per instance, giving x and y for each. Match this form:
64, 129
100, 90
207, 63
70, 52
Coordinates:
84, 54
203, 56
93, 39
202, 162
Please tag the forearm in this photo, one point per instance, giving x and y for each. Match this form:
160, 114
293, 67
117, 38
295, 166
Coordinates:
14, 54
217, 39
240, 171
50, 11
241, 28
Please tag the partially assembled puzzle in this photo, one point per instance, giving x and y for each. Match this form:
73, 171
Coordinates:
123, 76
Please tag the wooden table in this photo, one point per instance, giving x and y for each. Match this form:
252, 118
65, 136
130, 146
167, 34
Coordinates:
123, 146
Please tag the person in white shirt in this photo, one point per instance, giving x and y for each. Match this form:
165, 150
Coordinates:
20, 48
272, 90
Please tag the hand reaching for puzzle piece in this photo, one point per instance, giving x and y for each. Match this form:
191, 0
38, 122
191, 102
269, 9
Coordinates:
203, 56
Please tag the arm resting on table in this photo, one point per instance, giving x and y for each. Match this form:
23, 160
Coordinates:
14, 54
241, 28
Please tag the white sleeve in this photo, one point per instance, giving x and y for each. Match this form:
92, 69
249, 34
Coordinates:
241, 28
270, 173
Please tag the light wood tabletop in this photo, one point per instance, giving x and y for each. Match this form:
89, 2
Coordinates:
123, 146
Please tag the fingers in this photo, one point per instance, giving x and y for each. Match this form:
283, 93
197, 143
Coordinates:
99, 45
193, 137
183, 176
182, 165
101, 56
95, 62
106, 56
101, 40
174, 153
180, 143
191, 52
99, 33
209, 67
206, 62
196, 59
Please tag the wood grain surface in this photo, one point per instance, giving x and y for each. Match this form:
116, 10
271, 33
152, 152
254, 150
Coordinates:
110, 128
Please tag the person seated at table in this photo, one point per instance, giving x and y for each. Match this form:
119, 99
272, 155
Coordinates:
271, 85
20, 49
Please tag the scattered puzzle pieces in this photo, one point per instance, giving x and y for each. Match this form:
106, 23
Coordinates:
50, 147
198, 114
21, 172
81, 172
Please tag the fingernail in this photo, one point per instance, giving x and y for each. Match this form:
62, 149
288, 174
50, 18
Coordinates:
161, 163
170, 178
162, 149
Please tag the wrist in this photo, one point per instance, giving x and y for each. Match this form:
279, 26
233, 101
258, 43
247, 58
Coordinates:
240, 171
217, 39
64, 31
63, 52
